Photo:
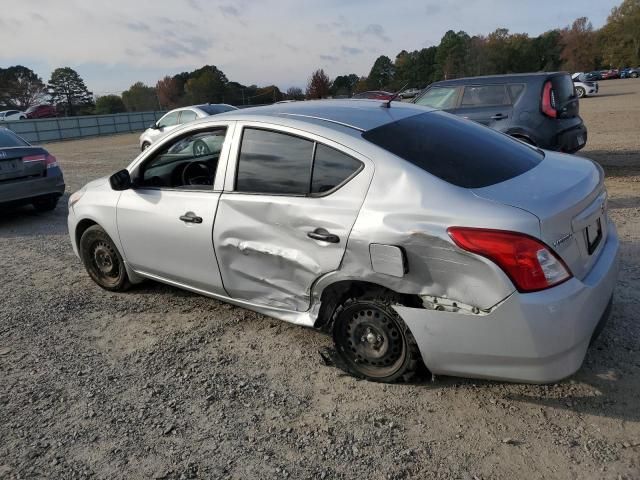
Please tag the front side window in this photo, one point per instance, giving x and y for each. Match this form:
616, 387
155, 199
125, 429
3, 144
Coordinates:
169, 120
188, 162
439, 97
484, 95
282, 164
188, 116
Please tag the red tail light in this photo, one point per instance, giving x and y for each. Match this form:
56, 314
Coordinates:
49, 160
528, 262
549, 100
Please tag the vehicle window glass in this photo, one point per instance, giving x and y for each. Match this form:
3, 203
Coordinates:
187, 163
484, 95
10, 139
331, 168
563, 87
516, 90
188, 116
169, 120
215, 109
272, 162
439, 97
431, 141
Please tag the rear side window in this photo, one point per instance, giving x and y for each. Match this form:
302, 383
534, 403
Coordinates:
439, 97
169, 120
331, 168
10, 139
455, 150
188, 116
516, 90
484, 95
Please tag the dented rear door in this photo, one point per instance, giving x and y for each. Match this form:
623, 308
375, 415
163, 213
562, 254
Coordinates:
274, 236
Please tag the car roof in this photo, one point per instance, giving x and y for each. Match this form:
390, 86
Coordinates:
498, 78
359, 115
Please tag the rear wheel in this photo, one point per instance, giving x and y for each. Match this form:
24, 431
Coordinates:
45, 204
634, 75
145, 145
102, 260
373, 340
581, 92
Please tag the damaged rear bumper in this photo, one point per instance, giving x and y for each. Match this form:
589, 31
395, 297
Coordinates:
534, 337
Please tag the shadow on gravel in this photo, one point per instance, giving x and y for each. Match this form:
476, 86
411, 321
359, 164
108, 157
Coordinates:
21, 221
620, 203
619, 94
615, 164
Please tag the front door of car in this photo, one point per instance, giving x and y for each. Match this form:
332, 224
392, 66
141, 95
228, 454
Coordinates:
489, 105
284, 219
167, 123
165, 221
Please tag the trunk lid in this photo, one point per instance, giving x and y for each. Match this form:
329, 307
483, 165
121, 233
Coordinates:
567, 195
22, 162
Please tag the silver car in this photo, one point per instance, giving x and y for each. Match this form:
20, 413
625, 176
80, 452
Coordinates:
407, 233
180, 116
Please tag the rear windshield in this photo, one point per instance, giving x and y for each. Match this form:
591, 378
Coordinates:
10, 139
215, 109
455, 150
563, 86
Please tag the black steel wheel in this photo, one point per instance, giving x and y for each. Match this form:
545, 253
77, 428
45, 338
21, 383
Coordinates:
373, 341
102, 260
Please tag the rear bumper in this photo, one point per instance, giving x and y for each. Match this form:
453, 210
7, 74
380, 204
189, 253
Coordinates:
536, 337
25, 190
572, 140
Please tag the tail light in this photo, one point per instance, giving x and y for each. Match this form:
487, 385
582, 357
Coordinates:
49, 160
529, 263
549, 100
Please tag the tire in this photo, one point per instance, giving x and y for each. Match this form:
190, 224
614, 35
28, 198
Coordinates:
581, 92
634, 75
102, 260
144, 146
373, 341
200, 148
45, 204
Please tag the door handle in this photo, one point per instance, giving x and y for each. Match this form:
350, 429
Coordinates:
324, 236
499, 116
190, 217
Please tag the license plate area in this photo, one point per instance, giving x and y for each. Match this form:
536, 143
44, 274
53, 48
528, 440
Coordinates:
593, 234
10, 166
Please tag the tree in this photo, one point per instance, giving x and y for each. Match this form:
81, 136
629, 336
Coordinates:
548, 50
169, 93
381, 74
318, 86
68, 88
109, 104
21, 87
206, 85
621, 35
140, 98
343, 85
294, 93
579, 47
452, 54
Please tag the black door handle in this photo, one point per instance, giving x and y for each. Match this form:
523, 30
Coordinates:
324, 236
190, 217
499, 116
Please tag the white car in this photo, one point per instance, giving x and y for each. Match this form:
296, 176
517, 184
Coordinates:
11, 115
584, 87
179, 116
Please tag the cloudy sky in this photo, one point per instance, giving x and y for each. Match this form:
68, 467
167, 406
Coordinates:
117, 42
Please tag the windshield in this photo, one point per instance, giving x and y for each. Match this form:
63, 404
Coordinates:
439, 97
455, 150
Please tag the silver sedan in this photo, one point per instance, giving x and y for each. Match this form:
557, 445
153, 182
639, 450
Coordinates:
410, 235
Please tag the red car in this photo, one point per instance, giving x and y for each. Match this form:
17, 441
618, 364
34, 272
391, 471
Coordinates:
42, 111
374, 95
609, 74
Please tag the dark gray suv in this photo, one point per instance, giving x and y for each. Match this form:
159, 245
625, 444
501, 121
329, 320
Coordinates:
538, 108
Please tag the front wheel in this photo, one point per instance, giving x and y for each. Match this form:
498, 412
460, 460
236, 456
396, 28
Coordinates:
581, 92
634, 75
102, 260
145, 145
373, 341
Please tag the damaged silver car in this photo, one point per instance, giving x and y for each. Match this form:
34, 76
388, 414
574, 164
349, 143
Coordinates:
409, 234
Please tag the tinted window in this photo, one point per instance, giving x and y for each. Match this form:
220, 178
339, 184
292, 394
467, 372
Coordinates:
516, 90
215, 109
169, 120
563, 87
439, 97
331, 168
10, 139
458, 151
484, 95
188, 116
273, 162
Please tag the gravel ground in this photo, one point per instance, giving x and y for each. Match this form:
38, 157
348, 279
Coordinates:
161, 383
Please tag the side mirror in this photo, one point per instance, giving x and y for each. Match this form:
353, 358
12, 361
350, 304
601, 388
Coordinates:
154, 126
120, 180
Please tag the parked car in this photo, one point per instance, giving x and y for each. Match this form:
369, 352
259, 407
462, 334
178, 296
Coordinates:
410, 93
609, 74
538, 108
179, 116
374, 95
593, 76
41, 111
407, 233
28, 174
12, 115
630, 73
584, 87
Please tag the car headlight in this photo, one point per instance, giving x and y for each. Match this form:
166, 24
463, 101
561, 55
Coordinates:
75, 197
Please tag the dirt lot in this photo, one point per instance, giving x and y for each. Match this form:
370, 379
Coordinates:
161, 383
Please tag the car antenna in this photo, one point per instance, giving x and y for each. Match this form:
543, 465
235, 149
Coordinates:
387, 104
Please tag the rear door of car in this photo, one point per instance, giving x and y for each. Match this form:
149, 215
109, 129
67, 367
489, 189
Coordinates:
489, 105
290, 201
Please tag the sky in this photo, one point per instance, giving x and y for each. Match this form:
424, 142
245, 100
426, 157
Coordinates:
114, 43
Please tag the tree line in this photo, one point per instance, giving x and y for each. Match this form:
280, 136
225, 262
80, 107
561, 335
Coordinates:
577, 47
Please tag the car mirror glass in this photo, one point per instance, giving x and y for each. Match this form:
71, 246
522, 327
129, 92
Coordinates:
120, 180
